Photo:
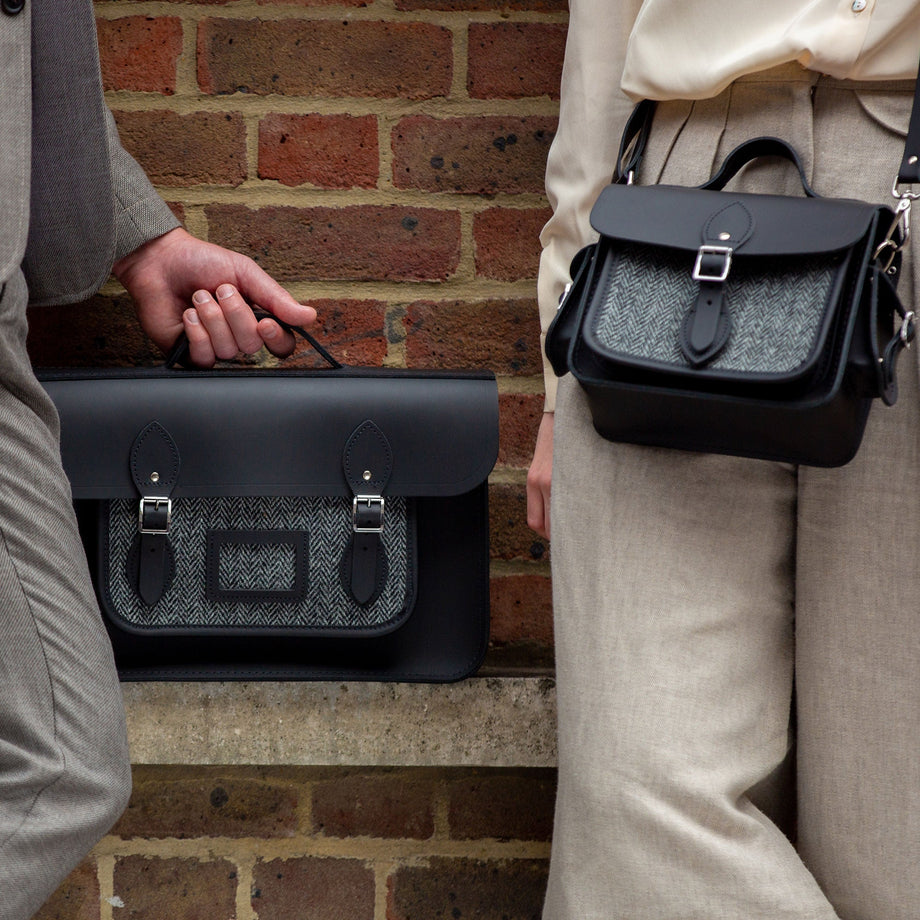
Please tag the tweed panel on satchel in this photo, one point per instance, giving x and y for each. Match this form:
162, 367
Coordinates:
250, 565
771, 332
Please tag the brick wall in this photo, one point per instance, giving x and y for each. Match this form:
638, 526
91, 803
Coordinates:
320, 844
384, 160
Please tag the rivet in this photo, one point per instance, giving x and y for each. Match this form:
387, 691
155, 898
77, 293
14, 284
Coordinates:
367, 475
725, 235
154, 477
912, 161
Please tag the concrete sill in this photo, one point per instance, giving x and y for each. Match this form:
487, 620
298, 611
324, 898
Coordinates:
484, 721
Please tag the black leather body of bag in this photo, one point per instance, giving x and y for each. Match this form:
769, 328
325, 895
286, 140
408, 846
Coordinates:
284, 524
755, 325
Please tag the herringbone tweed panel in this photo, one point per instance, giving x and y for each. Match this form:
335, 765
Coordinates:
327, 522
776, 308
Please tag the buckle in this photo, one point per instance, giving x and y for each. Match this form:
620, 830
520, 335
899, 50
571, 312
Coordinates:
154, 515
367, 514
722, 273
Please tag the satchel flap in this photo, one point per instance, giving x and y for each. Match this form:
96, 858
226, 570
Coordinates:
752, 225
276, 432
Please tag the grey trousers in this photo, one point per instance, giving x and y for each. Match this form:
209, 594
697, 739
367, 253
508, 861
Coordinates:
64, 771
691, 591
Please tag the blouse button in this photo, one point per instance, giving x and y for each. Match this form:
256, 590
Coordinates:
859, 5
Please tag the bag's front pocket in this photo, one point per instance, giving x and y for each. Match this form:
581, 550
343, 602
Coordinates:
258, 565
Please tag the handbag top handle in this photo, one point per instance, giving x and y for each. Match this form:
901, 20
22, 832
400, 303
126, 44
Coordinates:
179, 355
638, 129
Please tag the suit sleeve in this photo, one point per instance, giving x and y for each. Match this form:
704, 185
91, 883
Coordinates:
582, 157
140, 213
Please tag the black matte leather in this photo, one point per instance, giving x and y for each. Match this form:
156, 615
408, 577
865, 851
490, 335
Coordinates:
283, 433
155, 464
814, 410
707, 326
909, 171
681, 218
276, 432
368, 463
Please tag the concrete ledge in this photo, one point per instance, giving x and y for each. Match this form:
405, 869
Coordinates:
489, 721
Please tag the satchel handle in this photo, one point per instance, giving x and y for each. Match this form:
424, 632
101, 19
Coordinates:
639, 128
752, 150
179, 353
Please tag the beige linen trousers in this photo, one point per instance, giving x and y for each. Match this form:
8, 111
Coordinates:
692, 590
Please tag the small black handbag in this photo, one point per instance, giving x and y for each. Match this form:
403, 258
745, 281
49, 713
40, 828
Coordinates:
755, 325
284, 524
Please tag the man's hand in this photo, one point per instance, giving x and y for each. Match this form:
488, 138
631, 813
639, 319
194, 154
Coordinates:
539, 477
179, 282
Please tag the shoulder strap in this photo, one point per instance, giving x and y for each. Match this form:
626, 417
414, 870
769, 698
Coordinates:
910, 163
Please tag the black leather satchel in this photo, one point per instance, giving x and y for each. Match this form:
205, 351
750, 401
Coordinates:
755, 325
284, 524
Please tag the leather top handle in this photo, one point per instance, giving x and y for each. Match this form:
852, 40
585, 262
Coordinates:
752, 150
179, 353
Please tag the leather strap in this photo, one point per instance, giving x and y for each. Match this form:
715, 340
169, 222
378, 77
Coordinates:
707, 326
889, 303
754, 149
910, 162
155, 465
179, 353
633, 142
367, 462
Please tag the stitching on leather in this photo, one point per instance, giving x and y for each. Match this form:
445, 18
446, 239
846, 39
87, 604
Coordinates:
151, 429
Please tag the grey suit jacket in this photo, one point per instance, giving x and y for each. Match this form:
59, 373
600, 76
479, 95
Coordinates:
71, 199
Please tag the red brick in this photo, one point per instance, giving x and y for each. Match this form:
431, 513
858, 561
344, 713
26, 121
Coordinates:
507, 242
504, 804
539, 6
389, 805
180, 889
352, 330
178, 208
331, 151
140, 53
207, 803
313, 2
313, 889
356, 243
509, 535
519, 417
514, 60
325, 58
457, 888
475, 155
521, 609
102, 332
204, 148
77, 898
499, 335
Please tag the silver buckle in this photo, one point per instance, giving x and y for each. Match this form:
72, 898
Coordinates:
152, 505
371, 505
724, 251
